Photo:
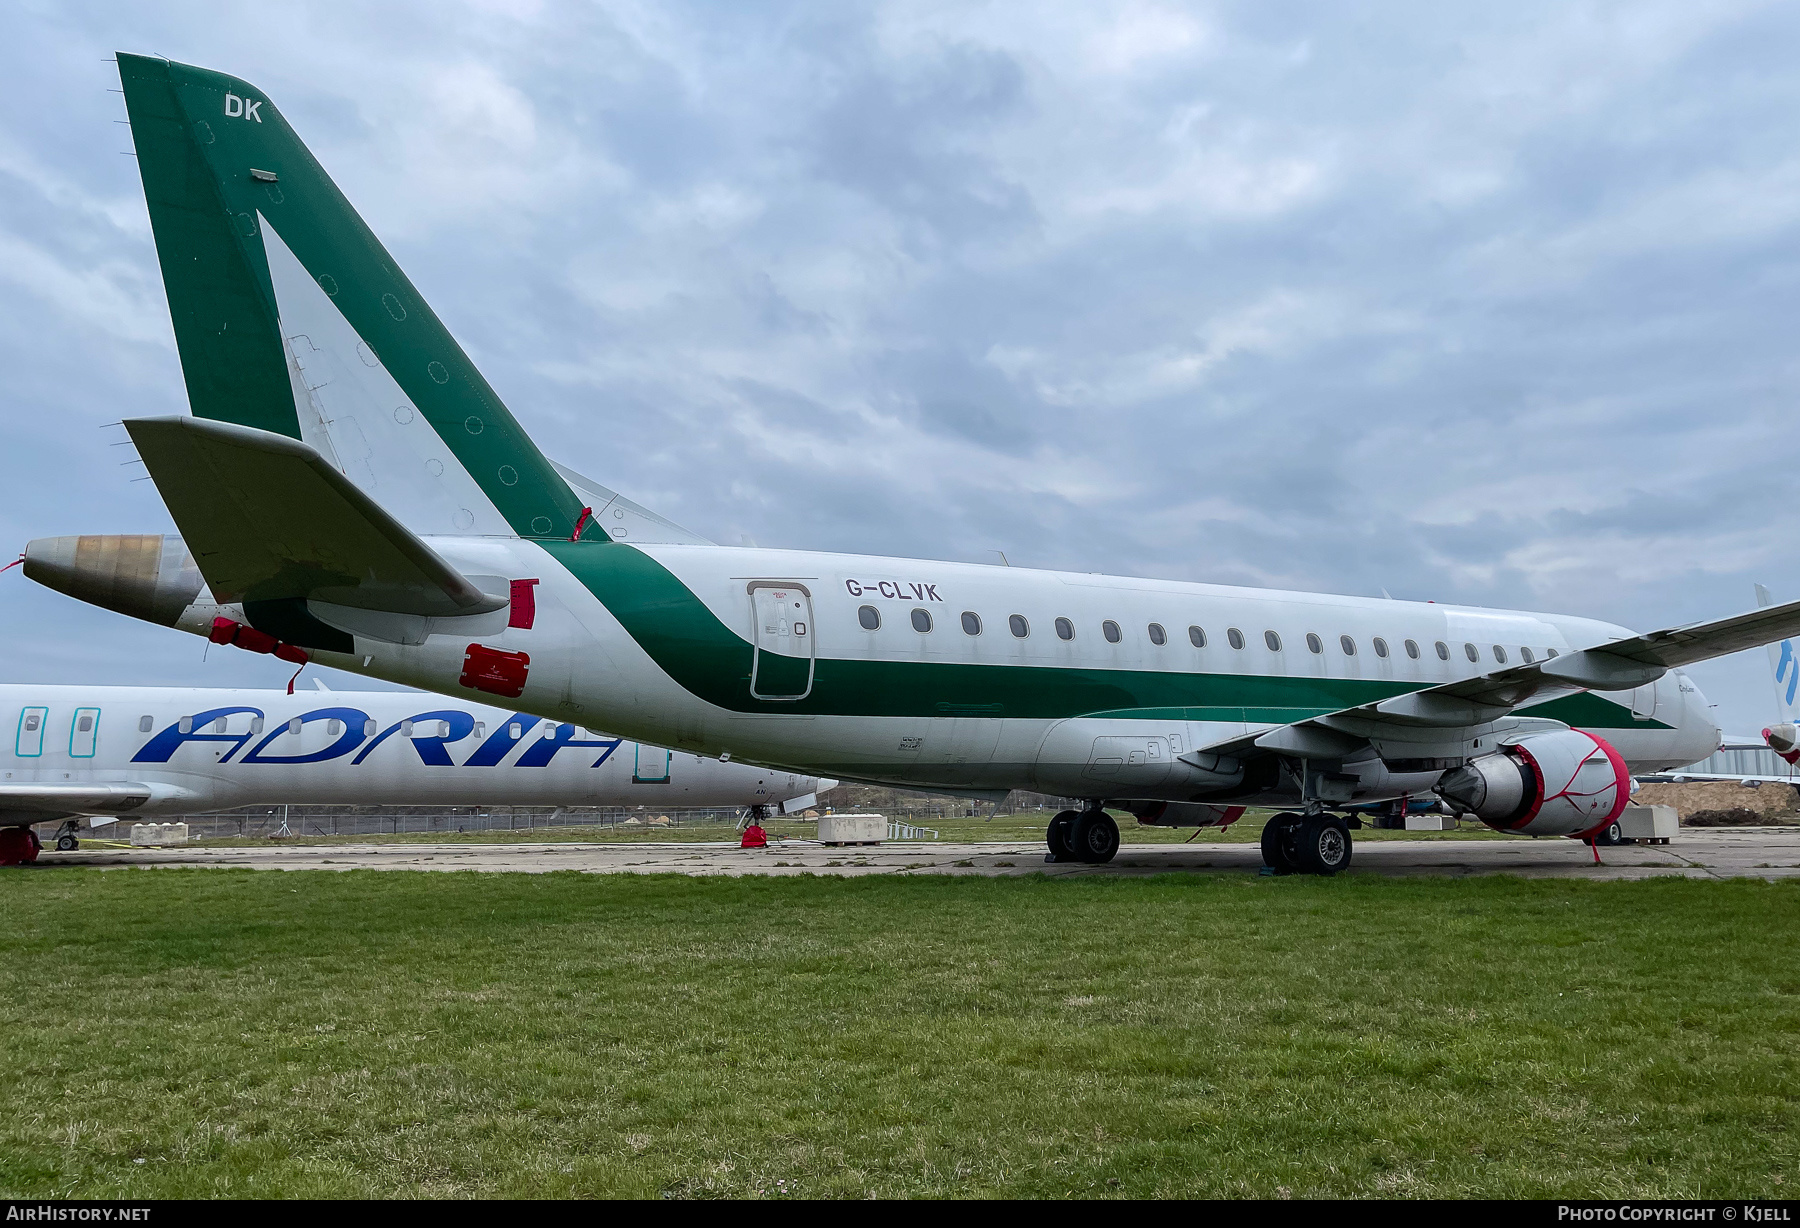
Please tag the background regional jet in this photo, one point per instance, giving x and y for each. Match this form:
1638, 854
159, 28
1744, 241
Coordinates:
351, 489
147, 752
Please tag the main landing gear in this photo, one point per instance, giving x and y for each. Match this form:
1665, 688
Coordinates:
1306, 844
1083, 835
67, 839
19, 846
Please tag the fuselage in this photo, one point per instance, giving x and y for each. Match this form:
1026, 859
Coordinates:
979, 678
208, 749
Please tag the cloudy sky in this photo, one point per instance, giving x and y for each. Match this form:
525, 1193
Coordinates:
1489, 304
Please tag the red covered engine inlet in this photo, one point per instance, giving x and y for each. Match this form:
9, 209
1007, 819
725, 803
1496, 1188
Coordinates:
1563, 783
225, 631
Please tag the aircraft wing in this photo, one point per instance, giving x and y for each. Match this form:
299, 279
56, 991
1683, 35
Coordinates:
268, 520
35, 802
1436, 714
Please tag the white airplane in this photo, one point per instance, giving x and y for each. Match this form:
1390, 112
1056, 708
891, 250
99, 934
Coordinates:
142, 752
350, 489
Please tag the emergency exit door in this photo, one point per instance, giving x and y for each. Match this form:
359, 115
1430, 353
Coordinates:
781, 666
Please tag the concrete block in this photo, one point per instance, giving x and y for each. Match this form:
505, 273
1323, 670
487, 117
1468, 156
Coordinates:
1430, 822
1648, 823
852, 828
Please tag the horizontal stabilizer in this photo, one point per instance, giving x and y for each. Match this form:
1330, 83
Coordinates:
269, 521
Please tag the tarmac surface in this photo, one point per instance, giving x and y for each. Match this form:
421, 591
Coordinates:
1768, 853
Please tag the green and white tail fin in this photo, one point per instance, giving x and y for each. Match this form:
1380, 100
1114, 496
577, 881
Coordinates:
291, 317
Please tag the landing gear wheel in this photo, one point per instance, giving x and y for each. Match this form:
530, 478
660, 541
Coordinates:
1278, 842
1095, 838
1610, 835
18, 846
1057, 835
1323, 845
66, 843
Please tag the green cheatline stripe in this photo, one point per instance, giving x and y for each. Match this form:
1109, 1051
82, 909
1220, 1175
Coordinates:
196, 160
713, 662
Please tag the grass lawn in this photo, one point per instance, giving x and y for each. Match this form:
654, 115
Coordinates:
209, 1032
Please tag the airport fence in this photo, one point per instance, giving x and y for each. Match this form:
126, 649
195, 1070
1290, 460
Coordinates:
277, 821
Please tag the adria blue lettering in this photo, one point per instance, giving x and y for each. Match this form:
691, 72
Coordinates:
164, 744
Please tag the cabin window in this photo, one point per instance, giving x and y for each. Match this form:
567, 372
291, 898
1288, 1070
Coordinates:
1443, 651
1499, 654
219, 725
370, 726
1548, 653
1470, 652
1525, 656
1158, 636
185, 725
869, 617
1380, 646
146, 724
85, 725
480, 728
1272, 640
1314, 643
406, 729
294, 725
971, 622
256, 723
1018, 626
1196, 637
1412, 649
1234, 637
1065, 630
921, 621
1348, 645
334, 727
1110, 630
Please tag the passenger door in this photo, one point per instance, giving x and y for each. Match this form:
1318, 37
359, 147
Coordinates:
781, 666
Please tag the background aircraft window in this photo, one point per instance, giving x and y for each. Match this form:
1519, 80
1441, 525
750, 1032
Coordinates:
1017, 624
868, 616
146, 724
971, 622
1412, 649
921, 620
1525, 655
1443, 651
1499, 654
1065, 630
1380, 646
1158, 636
1110, 630
1470, 652
1348, 645
1235, 637
1196, 637
1314, 643
1549, 652
1272, 640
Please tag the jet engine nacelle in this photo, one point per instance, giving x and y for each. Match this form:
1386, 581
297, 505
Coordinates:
1560, 783
1784, 740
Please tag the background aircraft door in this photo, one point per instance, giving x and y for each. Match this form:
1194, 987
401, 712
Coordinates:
782, 667
83, 733
1643, 702
651, 767
31, 732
